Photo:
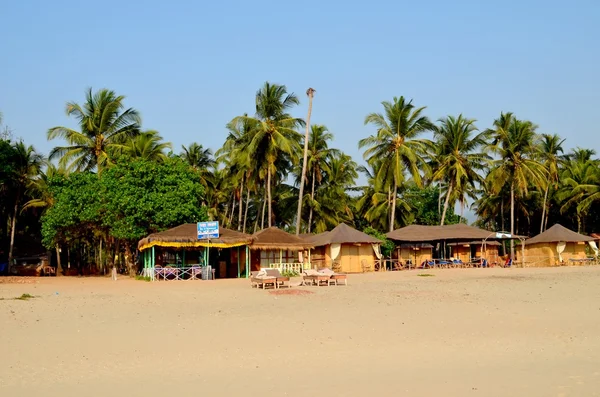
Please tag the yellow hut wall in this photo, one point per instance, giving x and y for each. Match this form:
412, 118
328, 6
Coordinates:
461, 252
544, 254
416, 256
350, 258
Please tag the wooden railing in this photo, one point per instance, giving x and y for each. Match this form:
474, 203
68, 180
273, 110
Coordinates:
289, 267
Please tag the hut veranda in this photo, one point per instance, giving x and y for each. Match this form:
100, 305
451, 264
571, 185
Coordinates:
178, 253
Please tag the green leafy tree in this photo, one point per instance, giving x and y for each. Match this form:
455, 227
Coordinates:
387, 245
104, 125
130, 200
424, 206
142, 197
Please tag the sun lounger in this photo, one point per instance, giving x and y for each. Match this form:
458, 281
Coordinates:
281, 279
334, 277
315, 278
260, 278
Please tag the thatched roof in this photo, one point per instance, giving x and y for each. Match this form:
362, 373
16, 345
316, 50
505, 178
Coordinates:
556, 234
342, 234
276, 239
422, 233
186, 235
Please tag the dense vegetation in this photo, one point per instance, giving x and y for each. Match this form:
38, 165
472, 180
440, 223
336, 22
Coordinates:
113, 182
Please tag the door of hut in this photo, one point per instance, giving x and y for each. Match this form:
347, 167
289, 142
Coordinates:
350, 259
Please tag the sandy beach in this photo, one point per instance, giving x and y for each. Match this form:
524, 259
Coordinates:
461, 332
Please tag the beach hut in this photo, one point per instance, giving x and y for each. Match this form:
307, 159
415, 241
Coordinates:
345, 249
183, 255
558, 245
415, 253
466, 250
275, 248
458, 240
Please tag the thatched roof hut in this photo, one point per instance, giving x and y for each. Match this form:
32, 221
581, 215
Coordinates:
556, 234
342, 234
276, 239
557, 245
345, 249
422, 233
186, 235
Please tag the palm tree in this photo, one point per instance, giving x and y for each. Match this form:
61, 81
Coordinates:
310, 92
375, 201
395, 142
318, 160
514, 143
242, 164
148, 146
273, 132
332, 203
197, 157
549, 148
40, 189
456, 159
27, 165
580, 187
104, 125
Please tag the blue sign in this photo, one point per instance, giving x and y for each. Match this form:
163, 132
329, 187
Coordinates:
208, 230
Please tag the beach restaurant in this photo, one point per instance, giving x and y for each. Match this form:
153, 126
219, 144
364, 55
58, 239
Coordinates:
559, 245
275, 248
179, 254
345, 249
462, 241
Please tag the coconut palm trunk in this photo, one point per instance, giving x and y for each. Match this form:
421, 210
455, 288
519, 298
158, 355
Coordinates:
312, 199
512, 219
446, 201
246, 209
262, 218
12, 231
310, 92
393, 212
241, 205
269, 195
544, 209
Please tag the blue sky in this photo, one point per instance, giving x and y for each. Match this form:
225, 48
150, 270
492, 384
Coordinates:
189, 67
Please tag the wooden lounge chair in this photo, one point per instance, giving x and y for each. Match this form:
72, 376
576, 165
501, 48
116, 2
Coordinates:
280, 278
314, 277
260, 278
334, 277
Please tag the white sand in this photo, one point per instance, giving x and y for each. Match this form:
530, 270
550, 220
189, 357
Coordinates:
463, 332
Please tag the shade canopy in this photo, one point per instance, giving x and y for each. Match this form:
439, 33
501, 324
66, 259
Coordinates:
460, 232
342, 234
276, 239
556, 234
186, 235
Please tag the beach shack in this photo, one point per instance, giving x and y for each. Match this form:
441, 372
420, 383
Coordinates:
415, 253
274, 248
345, 249
458, 241
178, 254
467, 250
559, 246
